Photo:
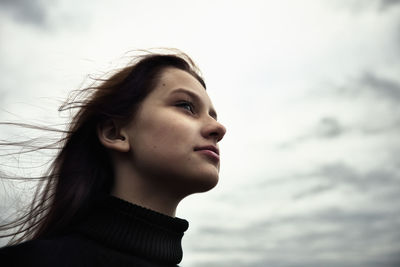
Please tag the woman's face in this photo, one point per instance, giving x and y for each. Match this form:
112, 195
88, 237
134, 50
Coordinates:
174, 135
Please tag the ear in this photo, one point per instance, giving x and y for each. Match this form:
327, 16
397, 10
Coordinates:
112, 137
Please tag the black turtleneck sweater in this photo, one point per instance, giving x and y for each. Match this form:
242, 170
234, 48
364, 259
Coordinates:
116, 233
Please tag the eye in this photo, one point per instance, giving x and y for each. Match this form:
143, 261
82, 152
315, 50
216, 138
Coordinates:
186, 105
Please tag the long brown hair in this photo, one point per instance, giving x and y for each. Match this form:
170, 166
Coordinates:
81, 173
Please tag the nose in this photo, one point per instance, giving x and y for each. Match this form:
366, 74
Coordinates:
214, 130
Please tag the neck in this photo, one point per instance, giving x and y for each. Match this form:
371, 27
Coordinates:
148, 192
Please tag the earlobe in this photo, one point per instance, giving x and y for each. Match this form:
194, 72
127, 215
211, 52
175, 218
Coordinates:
112, 137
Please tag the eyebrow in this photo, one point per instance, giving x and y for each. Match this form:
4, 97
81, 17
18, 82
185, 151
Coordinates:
212, 111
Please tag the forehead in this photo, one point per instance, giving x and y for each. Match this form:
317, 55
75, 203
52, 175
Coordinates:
173, 80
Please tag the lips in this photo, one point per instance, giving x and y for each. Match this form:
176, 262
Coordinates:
210, 152
210, 148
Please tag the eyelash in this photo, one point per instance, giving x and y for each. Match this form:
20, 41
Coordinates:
184, 104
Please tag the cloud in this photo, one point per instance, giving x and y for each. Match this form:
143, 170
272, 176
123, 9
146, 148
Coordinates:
325, 128
329, 127
365, 105
26, 11
313, 191
369, 85
376, 98
327, 237
387, 4
381, 87
381, 182
357, 6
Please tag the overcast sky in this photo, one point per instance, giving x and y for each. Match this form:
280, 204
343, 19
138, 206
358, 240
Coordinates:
309, 92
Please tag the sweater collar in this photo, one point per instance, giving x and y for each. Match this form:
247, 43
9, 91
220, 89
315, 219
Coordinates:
136, 230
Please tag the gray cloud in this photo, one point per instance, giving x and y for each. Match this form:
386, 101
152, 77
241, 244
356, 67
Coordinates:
332, 235
367, 225
383, 182
388, 260
387, 4
348, 237
382, 87
26, 11
326, 128
313, 191
357, 6
329, 127
371, 85
367, 88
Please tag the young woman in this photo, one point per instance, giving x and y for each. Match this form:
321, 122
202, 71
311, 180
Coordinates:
140, 142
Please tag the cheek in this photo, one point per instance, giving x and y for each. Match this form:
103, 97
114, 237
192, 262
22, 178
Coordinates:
163, 147
166, 136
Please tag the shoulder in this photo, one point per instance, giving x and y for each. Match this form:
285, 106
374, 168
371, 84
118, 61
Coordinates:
60, 251
66, 251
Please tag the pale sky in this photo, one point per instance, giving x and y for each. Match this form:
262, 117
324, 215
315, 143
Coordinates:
309, 92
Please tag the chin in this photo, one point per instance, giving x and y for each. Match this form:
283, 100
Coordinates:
206, 186
196, 184
193, 180
203, 183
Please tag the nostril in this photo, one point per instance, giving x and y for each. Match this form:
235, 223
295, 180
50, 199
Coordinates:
214, 130
217, 135
214, 134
